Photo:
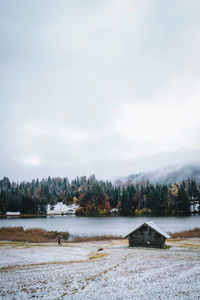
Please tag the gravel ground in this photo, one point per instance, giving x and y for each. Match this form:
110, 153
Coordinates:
81, 271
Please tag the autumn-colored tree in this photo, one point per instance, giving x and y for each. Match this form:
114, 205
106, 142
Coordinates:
119, 205
107, 207
80, 198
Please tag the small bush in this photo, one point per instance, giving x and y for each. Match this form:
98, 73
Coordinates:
141, 212
80, 211
104, 212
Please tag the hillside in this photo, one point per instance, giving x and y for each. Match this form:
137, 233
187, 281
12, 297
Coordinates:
168, 175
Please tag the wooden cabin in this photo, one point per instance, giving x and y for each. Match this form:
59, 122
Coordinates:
147, 235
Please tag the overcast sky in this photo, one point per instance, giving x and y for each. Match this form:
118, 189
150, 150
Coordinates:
105, 87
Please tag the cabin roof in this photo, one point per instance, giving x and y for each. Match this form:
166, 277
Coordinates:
153, 226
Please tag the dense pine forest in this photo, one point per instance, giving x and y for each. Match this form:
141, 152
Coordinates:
99, 197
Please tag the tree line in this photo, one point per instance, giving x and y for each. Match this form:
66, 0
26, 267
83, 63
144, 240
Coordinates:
99, 197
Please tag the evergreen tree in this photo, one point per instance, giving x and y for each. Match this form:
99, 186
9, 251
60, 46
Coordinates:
183, 201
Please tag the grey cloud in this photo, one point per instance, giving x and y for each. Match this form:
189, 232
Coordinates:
69, 66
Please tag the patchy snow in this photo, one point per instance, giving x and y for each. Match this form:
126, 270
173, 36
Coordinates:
13, 213
60, 208
114, 210
26, 254
51, 272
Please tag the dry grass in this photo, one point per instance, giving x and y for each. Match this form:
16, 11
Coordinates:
98, 255
97, 238
193, 233
33, 235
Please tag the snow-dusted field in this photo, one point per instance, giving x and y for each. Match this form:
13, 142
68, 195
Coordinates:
81, 271
61, 208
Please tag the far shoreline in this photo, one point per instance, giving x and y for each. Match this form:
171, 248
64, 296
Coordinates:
10, 216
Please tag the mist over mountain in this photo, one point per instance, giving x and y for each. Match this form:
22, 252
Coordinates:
167, 175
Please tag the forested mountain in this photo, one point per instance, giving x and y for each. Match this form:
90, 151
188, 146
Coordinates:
168, 175
99, 197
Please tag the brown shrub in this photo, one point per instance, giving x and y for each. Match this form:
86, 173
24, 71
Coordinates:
96, 238
32, 235
186, 234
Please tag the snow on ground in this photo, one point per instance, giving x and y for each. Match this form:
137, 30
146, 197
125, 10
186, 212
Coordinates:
60, 208
25, 254
13, 213
80, 271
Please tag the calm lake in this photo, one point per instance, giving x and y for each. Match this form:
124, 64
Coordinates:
89, 226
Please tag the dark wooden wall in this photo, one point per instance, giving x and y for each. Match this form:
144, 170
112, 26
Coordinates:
146, 237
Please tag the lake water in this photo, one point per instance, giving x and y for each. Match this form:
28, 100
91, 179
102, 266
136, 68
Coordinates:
90, 226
